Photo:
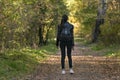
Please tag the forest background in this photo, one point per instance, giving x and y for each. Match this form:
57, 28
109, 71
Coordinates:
28, 30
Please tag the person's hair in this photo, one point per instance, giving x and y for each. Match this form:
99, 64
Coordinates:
64, 19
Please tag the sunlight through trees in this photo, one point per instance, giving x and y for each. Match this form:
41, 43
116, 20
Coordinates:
33, 23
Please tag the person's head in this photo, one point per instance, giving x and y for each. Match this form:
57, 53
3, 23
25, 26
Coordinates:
64, 18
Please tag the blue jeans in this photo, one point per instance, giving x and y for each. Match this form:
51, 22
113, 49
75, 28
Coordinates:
63, 46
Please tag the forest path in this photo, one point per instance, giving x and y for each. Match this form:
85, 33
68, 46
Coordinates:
87, 64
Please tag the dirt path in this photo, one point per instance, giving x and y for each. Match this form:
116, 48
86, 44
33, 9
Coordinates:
87, 64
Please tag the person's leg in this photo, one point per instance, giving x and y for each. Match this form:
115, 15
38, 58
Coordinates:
69, 49
63, 54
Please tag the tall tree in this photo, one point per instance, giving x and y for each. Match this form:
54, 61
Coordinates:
100, 18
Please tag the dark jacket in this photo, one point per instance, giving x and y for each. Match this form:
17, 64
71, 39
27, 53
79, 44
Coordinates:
59, 30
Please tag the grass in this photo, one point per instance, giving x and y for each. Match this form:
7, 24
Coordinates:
97, 47
110, 51
114, 51
16, 63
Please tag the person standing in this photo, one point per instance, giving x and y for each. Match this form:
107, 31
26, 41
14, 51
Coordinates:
65, 40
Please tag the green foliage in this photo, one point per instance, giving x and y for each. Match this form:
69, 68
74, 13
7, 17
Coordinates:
22, 20
110, 30
49, 49
113, 50
113, 53
86, 15
110, 53
97, 47
18, 62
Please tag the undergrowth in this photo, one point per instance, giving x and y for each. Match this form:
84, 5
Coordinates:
111, 50
18, 62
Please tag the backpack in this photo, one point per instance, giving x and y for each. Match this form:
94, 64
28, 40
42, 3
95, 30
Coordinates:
66, 33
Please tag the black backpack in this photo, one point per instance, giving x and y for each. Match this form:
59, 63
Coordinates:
66, 32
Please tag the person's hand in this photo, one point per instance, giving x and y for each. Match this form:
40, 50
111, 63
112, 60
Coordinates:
73, 48
57, 46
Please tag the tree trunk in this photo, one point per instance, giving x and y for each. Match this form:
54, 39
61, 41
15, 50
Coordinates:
100, 19
40, 36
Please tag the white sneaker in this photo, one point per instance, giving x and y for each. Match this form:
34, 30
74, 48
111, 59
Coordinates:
63, 71
71, 71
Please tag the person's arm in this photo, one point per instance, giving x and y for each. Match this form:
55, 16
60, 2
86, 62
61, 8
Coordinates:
73, 36
57, 38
